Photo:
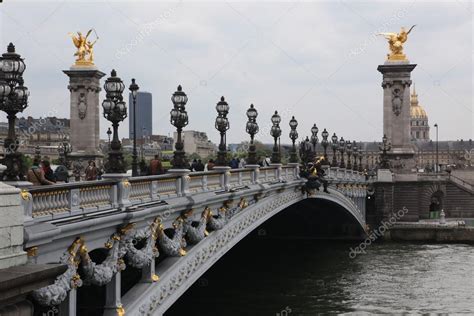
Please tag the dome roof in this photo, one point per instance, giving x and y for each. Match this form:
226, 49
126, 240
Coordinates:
416, 110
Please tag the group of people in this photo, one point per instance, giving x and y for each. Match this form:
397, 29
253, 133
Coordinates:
41, 173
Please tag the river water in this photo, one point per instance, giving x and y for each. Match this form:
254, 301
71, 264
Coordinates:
305, 277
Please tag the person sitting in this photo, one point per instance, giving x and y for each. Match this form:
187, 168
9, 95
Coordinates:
36, 174
210, 165
62, 174
155, 166
199, 165
48, 172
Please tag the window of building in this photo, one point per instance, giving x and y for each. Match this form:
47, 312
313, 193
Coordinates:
417, 134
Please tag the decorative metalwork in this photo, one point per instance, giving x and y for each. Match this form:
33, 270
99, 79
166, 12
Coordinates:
179, 119
222, 125
334, 145
355, 154
276, 133
115, 111
252, 129
195, 231
13, 99
342, 148
293, 137
314, 140
134, 92
325, 144
385, 147
349, 154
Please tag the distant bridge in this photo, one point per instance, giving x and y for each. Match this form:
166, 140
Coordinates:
105, 230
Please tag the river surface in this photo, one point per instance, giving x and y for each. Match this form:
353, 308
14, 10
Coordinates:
306, 277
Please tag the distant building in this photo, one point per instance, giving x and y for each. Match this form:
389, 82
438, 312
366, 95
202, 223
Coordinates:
419, 128
197, 142
144, 115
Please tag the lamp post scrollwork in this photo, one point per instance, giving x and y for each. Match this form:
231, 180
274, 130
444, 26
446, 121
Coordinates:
293, 137
314, 140
179, 119
334, 145
275, 132
222, 125
115, 111
384, 147
342, 147
325, 144
252, 130
13, 99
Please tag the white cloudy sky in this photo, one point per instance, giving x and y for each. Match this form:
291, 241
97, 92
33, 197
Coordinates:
316, 60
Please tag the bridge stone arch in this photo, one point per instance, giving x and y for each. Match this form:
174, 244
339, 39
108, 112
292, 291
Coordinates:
180, 273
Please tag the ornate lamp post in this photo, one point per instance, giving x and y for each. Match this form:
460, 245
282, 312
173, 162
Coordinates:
334, 145
384, 147
134, 91
349, 154
305, 151
342, 147
13, 99
252, 129
325, 144
222, 125
179, 119
276, 133
115, 111
355, 154
293, 137
361, 168
314, 139
109, 133
64, 149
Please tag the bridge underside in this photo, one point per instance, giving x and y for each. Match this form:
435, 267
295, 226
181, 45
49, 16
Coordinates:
313, 219
286, 214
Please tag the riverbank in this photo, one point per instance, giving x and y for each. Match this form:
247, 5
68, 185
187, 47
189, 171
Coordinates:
454, 231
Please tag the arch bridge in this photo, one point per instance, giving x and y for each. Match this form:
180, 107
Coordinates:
141, 242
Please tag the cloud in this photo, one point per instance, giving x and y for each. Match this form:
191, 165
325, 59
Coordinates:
314, 60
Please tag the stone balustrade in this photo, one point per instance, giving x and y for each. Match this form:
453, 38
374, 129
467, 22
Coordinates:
51, 202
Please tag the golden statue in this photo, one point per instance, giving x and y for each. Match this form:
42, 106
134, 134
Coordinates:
85, 48
395, 41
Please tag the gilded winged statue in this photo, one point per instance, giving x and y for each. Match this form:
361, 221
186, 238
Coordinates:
85, 48
396, 41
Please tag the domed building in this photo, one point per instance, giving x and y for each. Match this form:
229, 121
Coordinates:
419, 128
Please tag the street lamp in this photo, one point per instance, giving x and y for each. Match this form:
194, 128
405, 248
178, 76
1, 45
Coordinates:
437, 152
109, 133
115, 111
355, 154
222, 125
293, 137
314, 139
134, 91
13, 99
252, 129
334, 145
325, 144
349, 154
305, 152
64, 149
342, 147
179, 119
361, 168
275, 132
384, 147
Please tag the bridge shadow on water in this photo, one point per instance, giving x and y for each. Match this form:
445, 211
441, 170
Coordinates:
286, 266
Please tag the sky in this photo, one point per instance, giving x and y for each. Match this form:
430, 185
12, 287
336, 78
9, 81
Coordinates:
316, 60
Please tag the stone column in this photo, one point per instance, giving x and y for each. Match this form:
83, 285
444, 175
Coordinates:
255, 173
396, 112
113, 299
84, 85
224, 177
11, 227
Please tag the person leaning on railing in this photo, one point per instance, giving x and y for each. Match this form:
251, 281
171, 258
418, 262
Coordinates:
36, 174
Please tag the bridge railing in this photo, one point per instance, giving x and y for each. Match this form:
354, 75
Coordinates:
44, 203
57, 201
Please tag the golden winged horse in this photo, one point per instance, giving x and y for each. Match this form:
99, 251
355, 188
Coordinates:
85, 51
396, 41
